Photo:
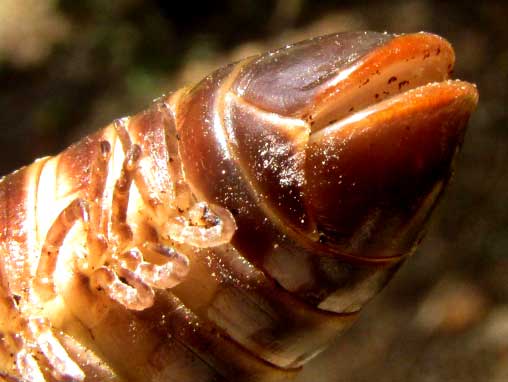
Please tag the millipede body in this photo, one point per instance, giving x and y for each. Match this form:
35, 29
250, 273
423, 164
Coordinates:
234, 228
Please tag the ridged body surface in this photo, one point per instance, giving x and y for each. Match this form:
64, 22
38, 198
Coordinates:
202, 239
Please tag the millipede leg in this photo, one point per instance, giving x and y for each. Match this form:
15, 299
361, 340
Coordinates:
125, 140
130, 284
120, 203
7, 360
126, 287
18, 339
120, 283
98, 185
183, 195
35, 332
174, 268
9, 317
27, 366
63, 367
170, 273
5, 357
98, 220
43, 282
127, 273
123, 134
206, 226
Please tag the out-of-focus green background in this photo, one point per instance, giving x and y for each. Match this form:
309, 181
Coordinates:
69, 67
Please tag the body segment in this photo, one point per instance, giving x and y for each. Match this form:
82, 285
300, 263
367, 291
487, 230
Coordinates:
233, 229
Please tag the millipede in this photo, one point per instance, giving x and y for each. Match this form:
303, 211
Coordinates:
234, 228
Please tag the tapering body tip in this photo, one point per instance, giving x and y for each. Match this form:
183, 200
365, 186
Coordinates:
375, 176
331, 153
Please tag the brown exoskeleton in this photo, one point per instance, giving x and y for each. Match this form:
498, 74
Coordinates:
233, 229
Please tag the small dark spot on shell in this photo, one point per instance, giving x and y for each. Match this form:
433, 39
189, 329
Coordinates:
402, 83
179, 210
351, 109
438, 51
392, 79
170, 160
385, 92
16, 298
366, 81
376, 96
426, 55
177, 136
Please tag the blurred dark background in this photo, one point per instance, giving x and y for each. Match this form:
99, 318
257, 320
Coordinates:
69, 67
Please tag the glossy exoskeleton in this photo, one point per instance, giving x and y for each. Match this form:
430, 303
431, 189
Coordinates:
234, 228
